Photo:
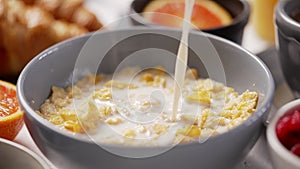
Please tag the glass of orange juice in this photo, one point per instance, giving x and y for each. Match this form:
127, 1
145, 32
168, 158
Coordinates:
263, 11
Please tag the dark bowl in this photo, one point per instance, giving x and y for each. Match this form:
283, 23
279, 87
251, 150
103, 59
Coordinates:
58, 65
288, 42
238, 9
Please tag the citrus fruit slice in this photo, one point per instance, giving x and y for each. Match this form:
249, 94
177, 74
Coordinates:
206, 14
11, 115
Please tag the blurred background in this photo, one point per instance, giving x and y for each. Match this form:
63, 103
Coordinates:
259, 33
21, 42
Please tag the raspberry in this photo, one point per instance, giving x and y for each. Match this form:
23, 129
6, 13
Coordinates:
288, 129
296, 149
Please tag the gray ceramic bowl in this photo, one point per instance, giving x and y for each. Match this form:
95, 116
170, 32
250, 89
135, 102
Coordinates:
288, 42
55, 65
14, 156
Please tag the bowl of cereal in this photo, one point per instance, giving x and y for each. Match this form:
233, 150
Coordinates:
106, 100
283, 136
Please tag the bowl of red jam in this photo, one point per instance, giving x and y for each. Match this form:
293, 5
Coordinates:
283, 135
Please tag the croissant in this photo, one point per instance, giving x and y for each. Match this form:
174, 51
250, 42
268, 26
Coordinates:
26, 30
69, 10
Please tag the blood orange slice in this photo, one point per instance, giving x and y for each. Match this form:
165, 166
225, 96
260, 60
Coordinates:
11, 116
206, 14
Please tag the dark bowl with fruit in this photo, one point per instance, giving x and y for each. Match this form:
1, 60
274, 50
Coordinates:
283, 135
226, 19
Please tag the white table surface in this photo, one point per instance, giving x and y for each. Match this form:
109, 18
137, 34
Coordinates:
110, 10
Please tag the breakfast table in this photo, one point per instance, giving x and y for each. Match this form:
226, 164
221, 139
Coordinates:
109, 12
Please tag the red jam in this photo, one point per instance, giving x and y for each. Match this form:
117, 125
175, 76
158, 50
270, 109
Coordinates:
288, 131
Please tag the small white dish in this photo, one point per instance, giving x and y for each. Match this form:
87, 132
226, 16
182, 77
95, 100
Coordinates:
282, 157
15, 156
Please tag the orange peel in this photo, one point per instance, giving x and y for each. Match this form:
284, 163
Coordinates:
11, 115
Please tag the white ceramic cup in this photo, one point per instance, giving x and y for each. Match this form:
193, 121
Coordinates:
281, 157
15, 156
